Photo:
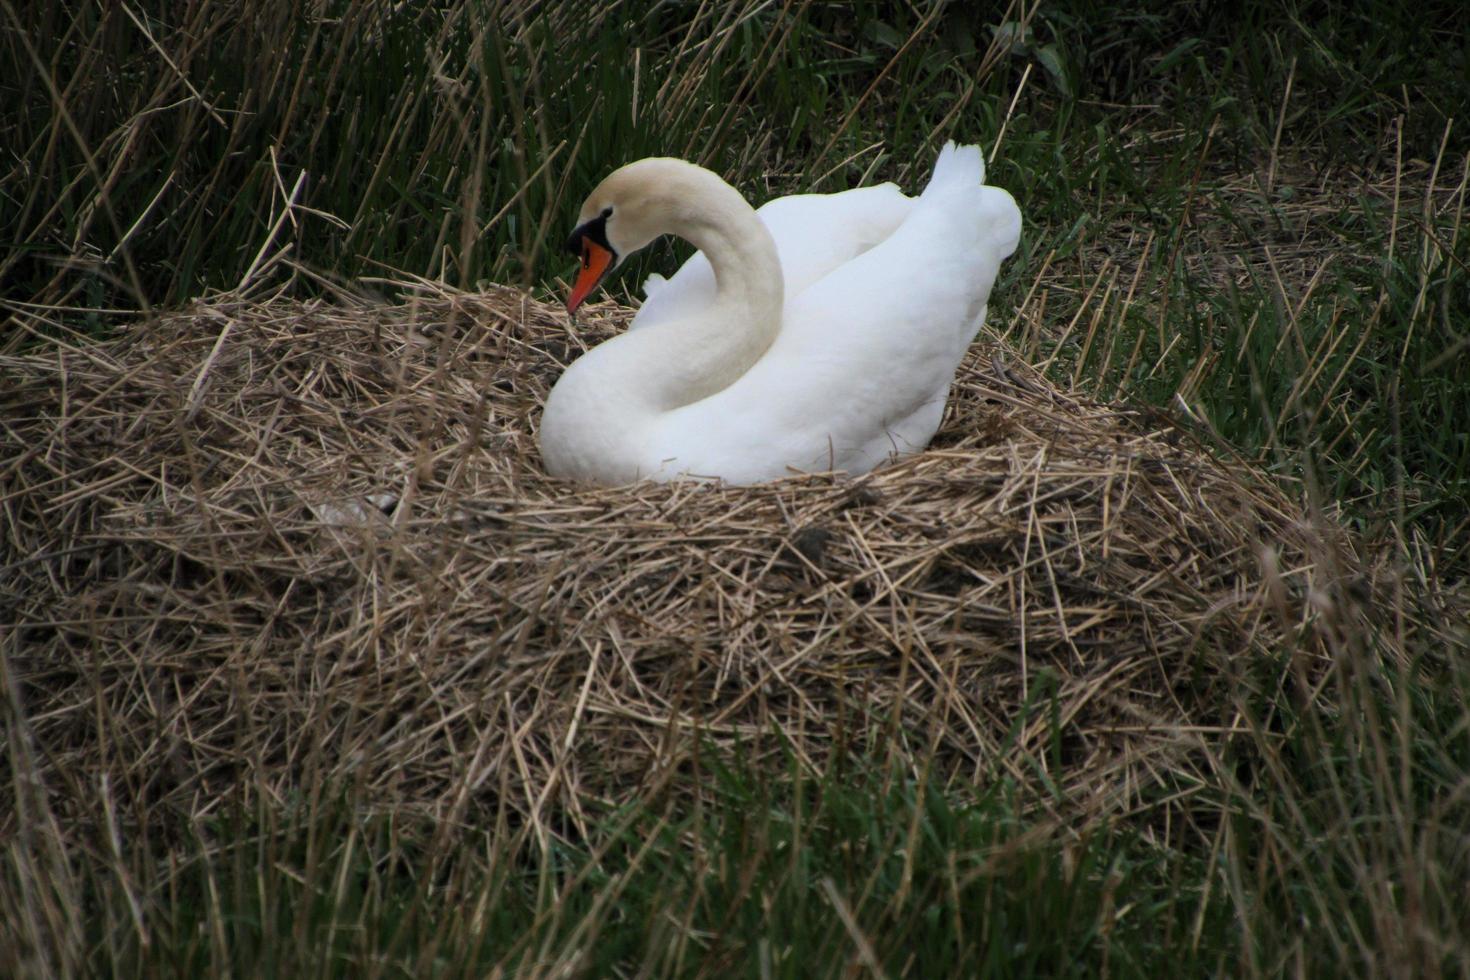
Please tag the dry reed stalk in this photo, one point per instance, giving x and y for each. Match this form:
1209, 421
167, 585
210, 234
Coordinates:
261, 546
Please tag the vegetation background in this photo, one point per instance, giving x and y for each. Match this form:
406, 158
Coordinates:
1248, 215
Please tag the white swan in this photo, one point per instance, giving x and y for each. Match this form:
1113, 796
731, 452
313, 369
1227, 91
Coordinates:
830, 346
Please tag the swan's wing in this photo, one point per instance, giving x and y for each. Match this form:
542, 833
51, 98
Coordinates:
814, 234
867, 353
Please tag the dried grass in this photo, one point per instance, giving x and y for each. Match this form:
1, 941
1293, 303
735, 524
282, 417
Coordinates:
205, 595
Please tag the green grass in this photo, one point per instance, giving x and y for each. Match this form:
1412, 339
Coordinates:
1328, 845
1247, 217
786, 879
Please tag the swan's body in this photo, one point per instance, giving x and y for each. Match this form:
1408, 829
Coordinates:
814, 234
821, 335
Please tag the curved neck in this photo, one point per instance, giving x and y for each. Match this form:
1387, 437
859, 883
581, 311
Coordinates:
683, 361
602, 418
740, 249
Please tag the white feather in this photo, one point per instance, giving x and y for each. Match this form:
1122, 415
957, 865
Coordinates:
883, 296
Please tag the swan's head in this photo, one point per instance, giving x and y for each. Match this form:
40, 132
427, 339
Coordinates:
629, 209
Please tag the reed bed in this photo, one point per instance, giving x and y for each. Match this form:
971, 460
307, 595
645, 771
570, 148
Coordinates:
265, 547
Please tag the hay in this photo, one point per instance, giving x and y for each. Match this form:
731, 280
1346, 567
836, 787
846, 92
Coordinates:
247, 545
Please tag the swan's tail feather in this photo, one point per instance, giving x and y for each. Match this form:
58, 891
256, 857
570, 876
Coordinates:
957, 166
959, 175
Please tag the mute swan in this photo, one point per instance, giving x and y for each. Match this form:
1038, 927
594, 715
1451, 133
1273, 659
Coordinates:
828, 346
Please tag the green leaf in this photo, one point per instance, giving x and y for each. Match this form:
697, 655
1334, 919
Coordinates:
1051, 60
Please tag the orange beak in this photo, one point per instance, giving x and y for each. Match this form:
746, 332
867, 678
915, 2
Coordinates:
596, 261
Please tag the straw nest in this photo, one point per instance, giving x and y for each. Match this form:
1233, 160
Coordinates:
253, 544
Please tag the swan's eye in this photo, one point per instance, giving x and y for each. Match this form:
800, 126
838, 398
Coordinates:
607, 212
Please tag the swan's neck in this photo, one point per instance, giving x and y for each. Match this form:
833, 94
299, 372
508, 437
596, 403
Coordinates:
602, 418
680, 362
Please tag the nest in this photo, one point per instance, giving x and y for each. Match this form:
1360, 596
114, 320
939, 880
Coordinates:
256, 544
